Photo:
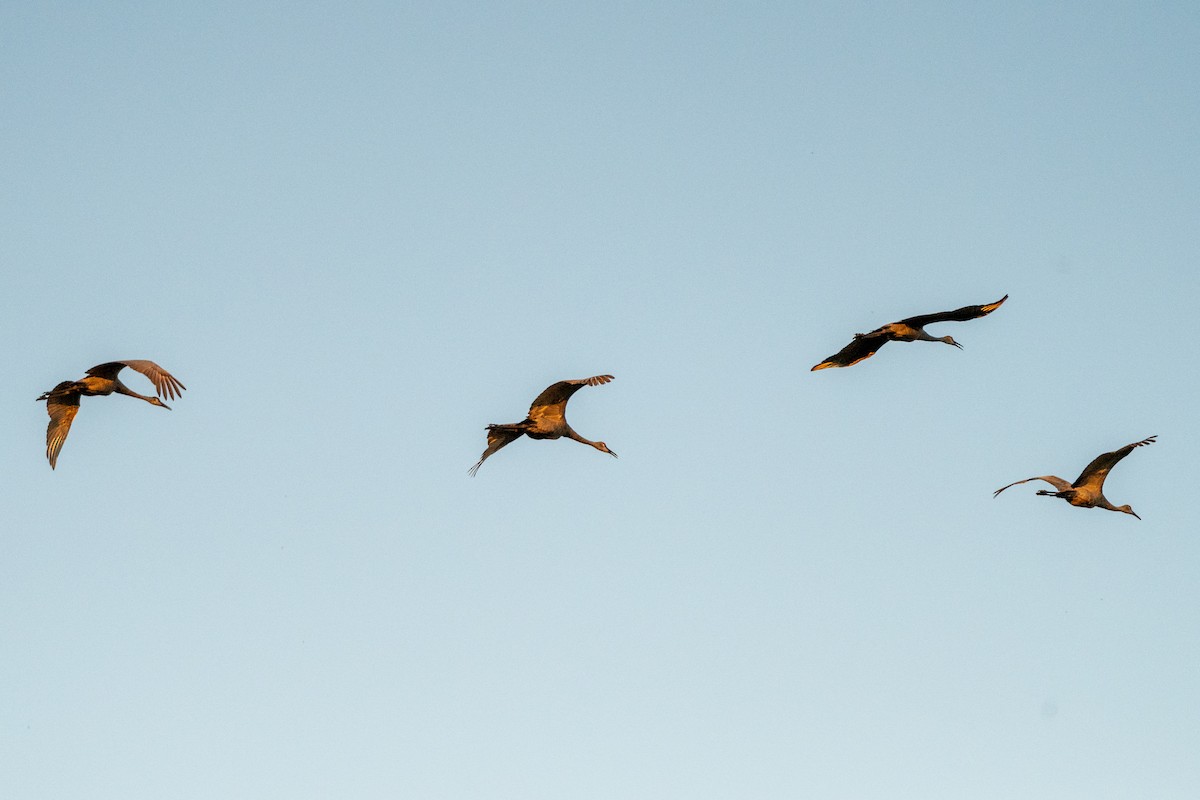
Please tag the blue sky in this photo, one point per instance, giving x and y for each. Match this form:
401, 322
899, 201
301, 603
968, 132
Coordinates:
359, 233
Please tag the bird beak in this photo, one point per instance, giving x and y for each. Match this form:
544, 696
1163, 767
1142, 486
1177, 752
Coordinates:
611, 453
164, 405
956, 344
1131, 511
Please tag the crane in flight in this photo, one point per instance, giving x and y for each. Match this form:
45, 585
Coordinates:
547, 419
1088, 489
911, 329
62, 402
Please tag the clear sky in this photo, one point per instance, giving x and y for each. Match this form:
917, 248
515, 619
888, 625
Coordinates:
359, 232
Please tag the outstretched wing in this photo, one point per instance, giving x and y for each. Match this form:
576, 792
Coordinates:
1095, 472
863, 347
1053, 480
957, 315
164, 382
498, 436
62, 409
552, 402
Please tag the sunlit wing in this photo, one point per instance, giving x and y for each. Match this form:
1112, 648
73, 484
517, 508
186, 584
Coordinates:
62, 409
498, 436
1095, 472
552, 402
165, 384
863, 347
957, 315
1055, 481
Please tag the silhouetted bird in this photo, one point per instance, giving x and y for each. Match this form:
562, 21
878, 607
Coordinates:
912, 329
1087, 490
62, 402
546, 420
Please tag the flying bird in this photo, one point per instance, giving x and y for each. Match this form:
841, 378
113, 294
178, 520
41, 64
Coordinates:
911, 329
546, 420
62, 402
1088, 489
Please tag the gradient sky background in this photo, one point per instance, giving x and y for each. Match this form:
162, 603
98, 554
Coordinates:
360, 232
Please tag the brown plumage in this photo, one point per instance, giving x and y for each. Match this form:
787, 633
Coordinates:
1088, 489
62, 402
911, 329
546, 419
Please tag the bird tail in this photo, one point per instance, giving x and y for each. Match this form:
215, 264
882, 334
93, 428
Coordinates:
511, 427
63, 388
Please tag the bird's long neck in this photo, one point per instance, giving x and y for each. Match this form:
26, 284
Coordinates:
121, 388
1102, 502
925, 337
571, 434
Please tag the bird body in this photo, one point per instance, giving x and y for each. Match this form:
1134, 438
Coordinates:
546, 419
1088, 489
62, 402
912, 329
903, 332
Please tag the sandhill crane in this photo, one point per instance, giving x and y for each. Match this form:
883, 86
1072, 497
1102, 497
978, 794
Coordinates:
1087, 490
911, 329
546, 420
62, 402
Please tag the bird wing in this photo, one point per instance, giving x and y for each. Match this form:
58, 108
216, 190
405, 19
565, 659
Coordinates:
498, 436
165, 384
957, 315
863, 347
62, 409
1053, 480
1095, 472
552, 402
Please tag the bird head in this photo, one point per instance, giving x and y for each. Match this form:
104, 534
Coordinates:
950, 340
1128, 509
154, 401
603, 448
